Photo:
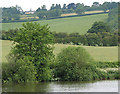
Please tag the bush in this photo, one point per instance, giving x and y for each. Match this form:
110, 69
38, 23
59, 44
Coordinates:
113, 74
7, 35
102, 75
107, 64
21, 71
75, 64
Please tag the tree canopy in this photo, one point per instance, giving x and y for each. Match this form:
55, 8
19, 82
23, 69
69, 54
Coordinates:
99, 27
11, 12
34, 41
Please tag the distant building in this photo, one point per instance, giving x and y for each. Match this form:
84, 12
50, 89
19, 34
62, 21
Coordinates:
29, 12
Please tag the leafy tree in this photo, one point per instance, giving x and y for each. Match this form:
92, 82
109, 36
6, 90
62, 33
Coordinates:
96, 4
34, 40
71, 6
54, 13
58, 6
9, 13
44, 8
93, 39
80, 10
39, 9
99, 27
109, 5
19, 9
42, 14
64, 6
74, 64
52, 7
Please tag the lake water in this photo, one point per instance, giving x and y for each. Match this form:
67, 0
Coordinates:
96, 86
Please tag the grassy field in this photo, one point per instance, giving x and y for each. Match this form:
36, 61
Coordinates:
69, 25
6, 47
98, 53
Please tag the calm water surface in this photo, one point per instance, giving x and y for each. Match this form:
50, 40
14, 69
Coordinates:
97, 86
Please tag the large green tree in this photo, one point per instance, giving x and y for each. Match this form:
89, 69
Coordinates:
41, 14
99, 27
35, 41
10, 13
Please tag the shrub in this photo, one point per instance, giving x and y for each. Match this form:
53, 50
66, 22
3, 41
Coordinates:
102, 75
75, 64
21, 71
106, 64
113, 74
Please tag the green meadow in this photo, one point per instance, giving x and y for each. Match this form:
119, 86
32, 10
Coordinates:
98, 53
68, 25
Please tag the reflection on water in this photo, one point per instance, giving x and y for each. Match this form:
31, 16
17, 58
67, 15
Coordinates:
97, 86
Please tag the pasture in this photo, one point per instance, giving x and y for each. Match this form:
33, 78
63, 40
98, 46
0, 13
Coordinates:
98, 53
69, 25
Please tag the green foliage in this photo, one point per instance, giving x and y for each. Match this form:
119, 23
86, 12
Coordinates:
57, 6
106, 64
42, 14
102, 39
10, 13
34, 40
22, 70
73, 63
113, 74
7, 35
99, 27
80, 9
113, 19
101, 75
54, 13
91, 39
109, 5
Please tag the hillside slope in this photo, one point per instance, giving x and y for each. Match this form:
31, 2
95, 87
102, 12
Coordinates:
69, 25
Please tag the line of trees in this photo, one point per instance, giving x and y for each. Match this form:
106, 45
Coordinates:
89, 39
11, 13
57, 9
14, 13
99, 34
